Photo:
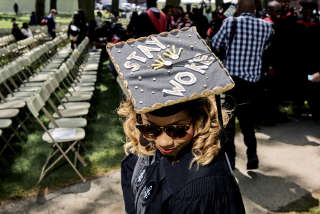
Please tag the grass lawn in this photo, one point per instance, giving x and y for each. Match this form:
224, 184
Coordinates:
103, 142
5, 19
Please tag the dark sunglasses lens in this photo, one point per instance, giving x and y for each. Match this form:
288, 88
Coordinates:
149, 131
177, 131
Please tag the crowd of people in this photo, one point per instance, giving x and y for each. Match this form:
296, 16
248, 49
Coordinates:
270, 55
287, 63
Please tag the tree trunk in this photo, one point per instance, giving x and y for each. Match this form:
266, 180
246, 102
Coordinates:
174, 3
219, 3
88, 7
53, 4
40, 5
115, 6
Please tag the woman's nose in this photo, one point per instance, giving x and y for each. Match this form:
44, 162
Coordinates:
164, 140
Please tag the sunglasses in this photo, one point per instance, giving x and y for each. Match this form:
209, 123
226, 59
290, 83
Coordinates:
152, 131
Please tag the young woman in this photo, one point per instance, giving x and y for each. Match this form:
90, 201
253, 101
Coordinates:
174, 164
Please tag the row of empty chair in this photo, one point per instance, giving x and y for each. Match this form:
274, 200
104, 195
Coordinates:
22, 63
70, 78
15, 49
14, 78
68, 120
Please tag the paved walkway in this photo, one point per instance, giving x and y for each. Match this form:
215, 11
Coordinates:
288, 178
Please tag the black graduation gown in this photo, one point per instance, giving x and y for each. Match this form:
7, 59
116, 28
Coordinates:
144, 26
152, 184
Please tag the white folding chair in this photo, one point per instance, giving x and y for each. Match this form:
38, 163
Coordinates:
63, 140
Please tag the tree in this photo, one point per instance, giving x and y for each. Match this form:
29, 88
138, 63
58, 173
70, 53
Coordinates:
115, 6
40, 5
219, 3
174, 3
53, 4
88, 7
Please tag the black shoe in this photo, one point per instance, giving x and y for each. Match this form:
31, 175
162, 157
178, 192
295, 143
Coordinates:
253, 163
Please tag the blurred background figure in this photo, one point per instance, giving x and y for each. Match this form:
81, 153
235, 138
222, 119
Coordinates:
51, 23
98, 19
25, 30
75, 30
273, 12
16, 8
32, 18
16, 32
153, 21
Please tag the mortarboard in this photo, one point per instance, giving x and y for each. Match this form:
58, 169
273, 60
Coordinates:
168, 68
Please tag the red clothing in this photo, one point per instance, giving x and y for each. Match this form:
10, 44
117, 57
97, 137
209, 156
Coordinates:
159, 23
268, 19
307, 23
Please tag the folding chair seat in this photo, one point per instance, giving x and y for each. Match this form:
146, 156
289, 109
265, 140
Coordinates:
21, 94
87, 78
48, 71
39, 77
27, 89
33, 84
13, 98
53, 65
5, 123
74, 105
61, 135
16, 104
78, 98
83, 84
69, 123
8, 113
91, 67
71, 113
77, 93
89, 73
82, 89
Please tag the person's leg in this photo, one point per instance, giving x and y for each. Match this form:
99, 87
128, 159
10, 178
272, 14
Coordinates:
246, 122
245, 113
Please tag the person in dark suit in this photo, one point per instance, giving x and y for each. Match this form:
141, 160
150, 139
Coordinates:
51, 23
16, 32
153, 21
16, 8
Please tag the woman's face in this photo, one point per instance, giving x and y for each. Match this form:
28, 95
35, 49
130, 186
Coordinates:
165, 144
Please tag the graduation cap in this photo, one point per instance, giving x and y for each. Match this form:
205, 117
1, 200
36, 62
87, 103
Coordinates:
167, 69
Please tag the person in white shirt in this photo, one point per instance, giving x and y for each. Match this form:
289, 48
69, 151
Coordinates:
25, 30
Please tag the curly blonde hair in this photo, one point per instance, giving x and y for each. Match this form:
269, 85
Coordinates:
206, 139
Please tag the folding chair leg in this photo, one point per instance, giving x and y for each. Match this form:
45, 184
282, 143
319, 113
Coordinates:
15, 133
6, 144
44, 171
64, 154
78, 156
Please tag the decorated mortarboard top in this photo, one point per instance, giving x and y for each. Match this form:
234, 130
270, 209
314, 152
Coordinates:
168, 68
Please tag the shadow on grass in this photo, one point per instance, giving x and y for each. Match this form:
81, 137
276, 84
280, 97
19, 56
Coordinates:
103, 148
